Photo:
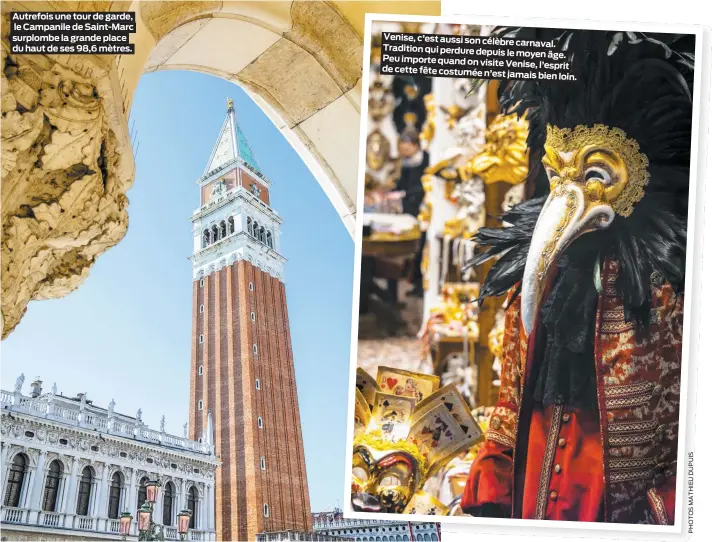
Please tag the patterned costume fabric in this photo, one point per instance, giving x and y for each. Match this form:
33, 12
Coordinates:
638, 389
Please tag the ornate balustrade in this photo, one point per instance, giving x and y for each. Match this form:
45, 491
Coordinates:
55, 520
58, 408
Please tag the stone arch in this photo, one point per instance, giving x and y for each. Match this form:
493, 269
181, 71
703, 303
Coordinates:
71, 151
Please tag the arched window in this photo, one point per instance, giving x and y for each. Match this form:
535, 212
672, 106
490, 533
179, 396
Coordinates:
83, 498
230, 226
193, 506
419, 537
213, 234
168, 494
142, 491
262, 235
15, 479
51, 489
223, 230
269, 239
249, 225
255, 230
206, 238
115, 496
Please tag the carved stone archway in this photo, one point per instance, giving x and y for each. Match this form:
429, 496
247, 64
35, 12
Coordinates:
66, 152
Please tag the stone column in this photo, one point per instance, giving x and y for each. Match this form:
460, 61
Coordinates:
158, 506
210, 519
34, 496
100, 502
70, 499
3, 461
131, 504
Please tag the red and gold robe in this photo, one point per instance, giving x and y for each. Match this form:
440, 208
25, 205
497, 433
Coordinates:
561, 463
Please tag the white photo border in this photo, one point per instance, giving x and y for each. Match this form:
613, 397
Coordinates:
692, 279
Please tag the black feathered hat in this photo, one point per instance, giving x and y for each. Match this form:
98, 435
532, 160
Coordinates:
640, 84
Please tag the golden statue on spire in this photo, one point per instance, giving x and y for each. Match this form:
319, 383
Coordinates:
230, 104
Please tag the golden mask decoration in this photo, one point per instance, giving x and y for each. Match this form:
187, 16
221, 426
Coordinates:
454, 113
378, 150
456, 314
595, 173
505, 155
406, 428
603, 161
427, 133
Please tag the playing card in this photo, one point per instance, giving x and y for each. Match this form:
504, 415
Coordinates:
362, 414
436, 433
366, 384
455, 404
406, 383
392, 415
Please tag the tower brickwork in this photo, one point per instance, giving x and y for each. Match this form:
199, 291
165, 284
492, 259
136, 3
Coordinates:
242, 368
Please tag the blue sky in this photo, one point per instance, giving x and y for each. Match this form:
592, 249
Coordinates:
125, 333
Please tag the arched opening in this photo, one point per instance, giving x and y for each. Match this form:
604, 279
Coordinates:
51, 488
115, 495
230, 226
223, 229
214, 234
249, 225
262, 235
141, 492
206, 238
15, 481
84, 493
256, 229
168, 497
316, 46
193, 506
269, 239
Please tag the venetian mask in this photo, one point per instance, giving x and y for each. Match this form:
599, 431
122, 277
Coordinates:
505, 155
594, 174
383, 480
406, 429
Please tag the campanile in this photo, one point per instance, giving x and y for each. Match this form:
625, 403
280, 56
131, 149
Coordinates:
242, 369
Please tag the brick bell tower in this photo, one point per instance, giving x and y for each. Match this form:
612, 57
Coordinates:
242, 370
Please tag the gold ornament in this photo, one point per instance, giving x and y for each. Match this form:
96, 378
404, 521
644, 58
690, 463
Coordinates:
456, 313
505, 155
454, 113
378, 150
428, 132
414, 428
605, 162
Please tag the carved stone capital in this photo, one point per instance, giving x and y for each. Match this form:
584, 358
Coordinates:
66, 167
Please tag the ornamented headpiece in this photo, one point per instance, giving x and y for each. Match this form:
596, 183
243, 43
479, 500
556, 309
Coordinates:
609, 164
405, 429
604, 159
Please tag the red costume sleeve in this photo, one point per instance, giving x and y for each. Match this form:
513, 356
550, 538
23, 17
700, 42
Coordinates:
488, 492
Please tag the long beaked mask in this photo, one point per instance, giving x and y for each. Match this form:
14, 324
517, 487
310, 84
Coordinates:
594, 174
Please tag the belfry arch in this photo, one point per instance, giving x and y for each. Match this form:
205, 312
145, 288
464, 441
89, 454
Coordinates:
66, 149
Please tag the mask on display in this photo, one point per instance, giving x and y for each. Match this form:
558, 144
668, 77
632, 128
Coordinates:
406, 428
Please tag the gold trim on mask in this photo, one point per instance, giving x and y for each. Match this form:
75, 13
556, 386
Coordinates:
619, 171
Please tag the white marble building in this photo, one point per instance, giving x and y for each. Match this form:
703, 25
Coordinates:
71, 468
334, 523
